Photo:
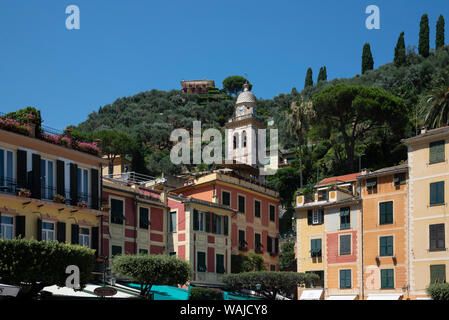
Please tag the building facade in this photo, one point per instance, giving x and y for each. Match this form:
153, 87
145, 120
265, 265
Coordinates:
48, 191
329, 237
428, 218
385, 232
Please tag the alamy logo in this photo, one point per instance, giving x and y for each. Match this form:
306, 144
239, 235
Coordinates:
73, 280
248, 146
73, 20
373, 20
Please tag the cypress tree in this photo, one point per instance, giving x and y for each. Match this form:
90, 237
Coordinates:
423, 46
399, 51
309, 79
439, 42
367, 59
322, 76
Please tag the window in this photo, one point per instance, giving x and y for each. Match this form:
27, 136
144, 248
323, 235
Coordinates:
7, 227
219, 224
241, 204
257, 243
47, 179
117, 211
437, 238
436, 152
438, 273
144, 221
143, 251
244, 139
226, 198
272, 212
345, 244
272, 267
386, 212
6, 170
173, 221
198, 220
242, 242
116, 250
84, 237
220, 268
345, 279
315, 248
83, 184
345, 218
257, 208
386, 246
399, 179
387, 279
173, 253
201, 261
322, 195
371, 184
315, 216
437, 193
236, 141
48, 231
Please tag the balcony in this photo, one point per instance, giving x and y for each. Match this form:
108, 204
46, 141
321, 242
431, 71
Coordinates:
47, 193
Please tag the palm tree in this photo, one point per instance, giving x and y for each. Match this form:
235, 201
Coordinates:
435, 107
300, 113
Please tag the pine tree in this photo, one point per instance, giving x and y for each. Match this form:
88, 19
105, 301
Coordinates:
322, 76
399, 51
309, 79
367, 59
439, 42
423, 46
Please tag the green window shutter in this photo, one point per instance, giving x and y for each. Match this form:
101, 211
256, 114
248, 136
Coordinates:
382, 213
309, 217
386, 212
195, 220
345, 218
438, 273
241, 204
269, 244
226, 225
272, 213
312, 246
214, 223
207, 221
387, 278
226, 198
257, 208
437, 193
386, 246
345, 245
201, 262
345, 279
436, 152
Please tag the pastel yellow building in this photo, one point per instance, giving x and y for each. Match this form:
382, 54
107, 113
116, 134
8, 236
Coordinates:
48, 191
428, 212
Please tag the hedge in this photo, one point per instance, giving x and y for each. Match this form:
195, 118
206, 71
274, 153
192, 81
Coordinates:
198, 293
439, 291
36, 264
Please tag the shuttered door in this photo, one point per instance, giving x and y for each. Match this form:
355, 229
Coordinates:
94, 188
73, 184
36, 176
39, 229
20, 226
21, 169
226, 222
75, 234
94, 242
60, 178
60, 232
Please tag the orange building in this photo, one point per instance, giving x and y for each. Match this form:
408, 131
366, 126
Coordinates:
385, 245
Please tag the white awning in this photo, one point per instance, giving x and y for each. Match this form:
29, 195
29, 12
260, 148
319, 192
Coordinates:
343, 297
87, 292
384, 296
8, 290
311, 295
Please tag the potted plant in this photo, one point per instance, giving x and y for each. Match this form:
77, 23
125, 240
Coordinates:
59, 198
105, 207
82, 204
24, 193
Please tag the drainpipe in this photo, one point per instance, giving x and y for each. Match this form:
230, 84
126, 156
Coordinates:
135, 223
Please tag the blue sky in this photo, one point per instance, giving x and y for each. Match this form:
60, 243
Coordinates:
125, 47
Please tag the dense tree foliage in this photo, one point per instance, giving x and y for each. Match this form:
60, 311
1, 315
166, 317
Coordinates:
439, 39
424, 41
201, 294
309, 78
149, 270
322, 76
438, 291
34, 264
367, 59
268, 283
399, 51
287, 259
234, 84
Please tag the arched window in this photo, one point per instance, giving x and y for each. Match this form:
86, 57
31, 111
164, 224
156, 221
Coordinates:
236, 141
244, 139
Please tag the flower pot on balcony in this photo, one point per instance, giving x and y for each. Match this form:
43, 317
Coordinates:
59, 198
